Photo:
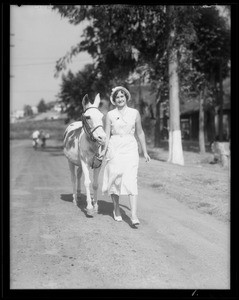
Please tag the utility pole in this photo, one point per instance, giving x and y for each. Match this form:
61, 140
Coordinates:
12, 45
12, 34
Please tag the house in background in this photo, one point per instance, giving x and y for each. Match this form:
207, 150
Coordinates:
34, 110
189, 118
16, 115
145, 101
58, 107
19, 114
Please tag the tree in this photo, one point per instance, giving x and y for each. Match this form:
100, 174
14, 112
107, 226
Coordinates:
107, 24
212, 53
27, 111
201, 64
122, 38
75, 86
175, 141
42, 107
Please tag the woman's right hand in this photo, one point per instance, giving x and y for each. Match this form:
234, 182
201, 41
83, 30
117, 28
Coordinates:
147, 157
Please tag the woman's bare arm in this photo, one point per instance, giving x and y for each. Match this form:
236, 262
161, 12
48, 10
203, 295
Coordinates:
107, 131
141, 136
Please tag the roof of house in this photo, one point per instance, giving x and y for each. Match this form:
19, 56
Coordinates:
192, 105
188, 107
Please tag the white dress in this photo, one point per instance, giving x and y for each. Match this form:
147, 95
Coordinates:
122, 157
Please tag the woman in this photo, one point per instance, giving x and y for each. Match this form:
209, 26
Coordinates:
121, 149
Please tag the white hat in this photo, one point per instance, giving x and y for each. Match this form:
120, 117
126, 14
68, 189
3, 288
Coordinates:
118, 88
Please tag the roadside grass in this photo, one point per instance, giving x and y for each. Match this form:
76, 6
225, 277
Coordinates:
210, 196
24, 129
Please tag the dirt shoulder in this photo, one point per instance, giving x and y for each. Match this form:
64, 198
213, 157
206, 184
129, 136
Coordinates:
198, 184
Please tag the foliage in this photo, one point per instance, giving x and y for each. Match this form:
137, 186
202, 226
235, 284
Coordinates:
27, 111
210, 51
129, 39
42, 107
75, 86
125, 38
116, 34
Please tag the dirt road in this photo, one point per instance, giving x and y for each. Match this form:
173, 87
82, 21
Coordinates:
53, 245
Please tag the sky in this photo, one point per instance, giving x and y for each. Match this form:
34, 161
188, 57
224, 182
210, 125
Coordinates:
39, 36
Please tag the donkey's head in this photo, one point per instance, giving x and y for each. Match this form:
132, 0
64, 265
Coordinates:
93, 119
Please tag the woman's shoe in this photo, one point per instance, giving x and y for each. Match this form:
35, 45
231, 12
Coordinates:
135, 221
117, 218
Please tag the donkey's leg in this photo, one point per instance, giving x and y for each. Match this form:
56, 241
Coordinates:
73, 181
87, 182
79, 174
96, 173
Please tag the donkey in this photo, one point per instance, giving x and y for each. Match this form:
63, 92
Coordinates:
82, 143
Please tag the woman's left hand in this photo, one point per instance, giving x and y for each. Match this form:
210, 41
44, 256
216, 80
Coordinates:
102, 153
147, 158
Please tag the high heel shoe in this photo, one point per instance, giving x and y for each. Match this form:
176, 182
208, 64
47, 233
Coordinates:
135, 221
117, 218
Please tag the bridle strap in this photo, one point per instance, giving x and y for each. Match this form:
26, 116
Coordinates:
86, 126
89, 132
90, 108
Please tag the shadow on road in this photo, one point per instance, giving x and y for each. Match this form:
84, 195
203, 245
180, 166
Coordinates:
81, 202
105, 208
154, 155
67, 197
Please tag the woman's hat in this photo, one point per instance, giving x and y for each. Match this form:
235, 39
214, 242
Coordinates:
116, 89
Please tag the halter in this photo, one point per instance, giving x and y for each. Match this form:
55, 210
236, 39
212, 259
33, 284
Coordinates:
87, 128
97, 161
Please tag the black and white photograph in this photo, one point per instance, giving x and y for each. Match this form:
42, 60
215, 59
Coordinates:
120, 147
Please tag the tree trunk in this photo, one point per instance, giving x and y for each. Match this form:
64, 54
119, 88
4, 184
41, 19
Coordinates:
140, 97
157, 126
211, 129
201, 122
175, 139
220, 106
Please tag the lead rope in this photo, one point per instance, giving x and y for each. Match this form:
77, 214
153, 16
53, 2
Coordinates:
96, 161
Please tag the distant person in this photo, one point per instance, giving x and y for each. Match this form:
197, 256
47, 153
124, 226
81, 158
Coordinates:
44, 136
35, 138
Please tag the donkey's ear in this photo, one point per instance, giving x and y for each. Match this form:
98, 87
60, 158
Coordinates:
85, 101
97, 100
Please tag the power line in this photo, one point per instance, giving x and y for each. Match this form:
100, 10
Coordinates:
39, 91
12, 34
50, 63
34, 64
34, 58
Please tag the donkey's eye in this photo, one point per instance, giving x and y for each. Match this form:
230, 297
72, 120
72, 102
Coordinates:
87, 117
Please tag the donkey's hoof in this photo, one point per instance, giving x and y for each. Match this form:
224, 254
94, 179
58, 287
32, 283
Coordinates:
90, 212
96, 208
